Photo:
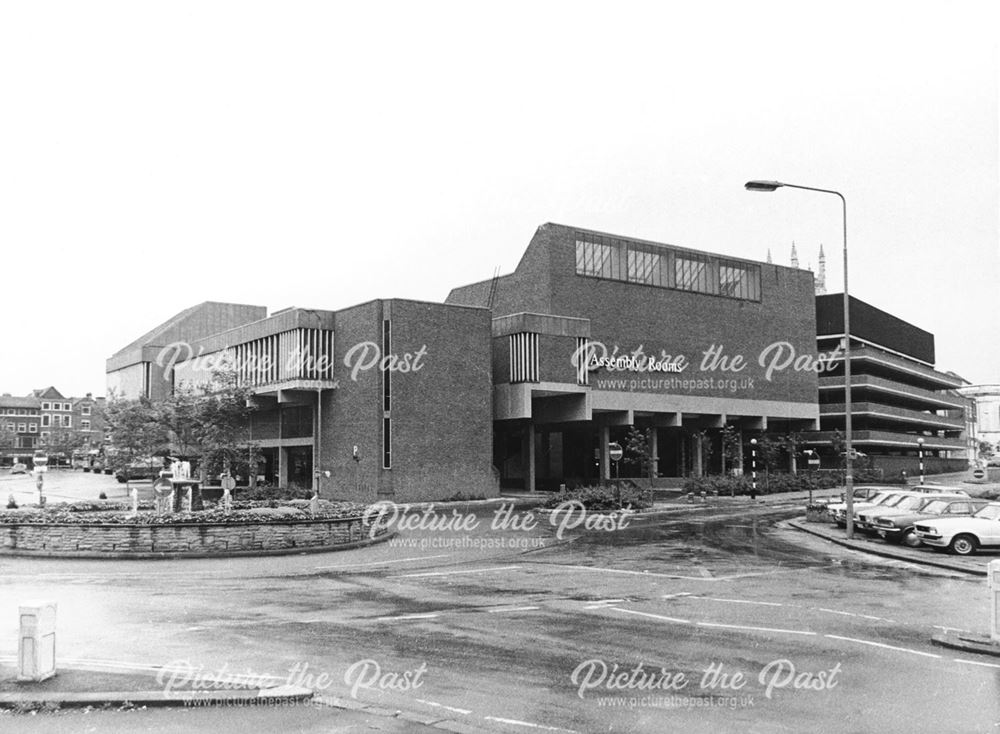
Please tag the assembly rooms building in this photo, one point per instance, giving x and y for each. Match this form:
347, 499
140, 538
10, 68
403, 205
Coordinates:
521, 381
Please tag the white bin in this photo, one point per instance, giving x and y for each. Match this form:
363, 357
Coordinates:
36, 645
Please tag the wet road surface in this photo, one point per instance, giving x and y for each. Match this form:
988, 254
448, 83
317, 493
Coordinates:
716, 621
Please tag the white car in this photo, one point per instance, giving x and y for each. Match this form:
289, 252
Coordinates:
963, 535
839, 511
905, 505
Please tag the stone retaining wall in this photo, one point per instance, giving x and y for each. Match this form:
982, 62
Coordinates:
185, 540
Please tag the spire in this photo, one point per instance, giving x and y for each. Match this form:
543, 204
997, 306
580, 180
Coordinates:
795, 256
769, 260
821, 275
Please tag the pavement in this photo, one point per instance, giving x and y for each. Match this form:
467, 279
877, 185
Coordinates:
79, 687
976, 566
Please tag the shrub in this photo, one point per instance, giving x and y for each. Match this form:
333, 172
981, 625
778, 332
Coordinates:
11, 503
602, 498
102, 496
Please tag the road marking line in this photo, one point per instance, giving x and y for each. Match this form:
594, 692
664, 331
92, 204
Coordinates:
394, 560
653, 616
446, 708
675, 596
528, 723
511, 609
408, 616
852, 614
976, 662
738, 601
755, 629
452, 573
883, 645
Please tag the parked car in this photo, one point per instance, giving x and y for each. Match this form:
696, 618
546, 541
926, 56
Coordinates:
907, 504
839, 511
963, 535
19, 468
900, 528
140, 469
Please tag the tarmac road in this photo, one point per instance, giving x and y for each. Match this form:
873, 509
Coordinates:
737, 626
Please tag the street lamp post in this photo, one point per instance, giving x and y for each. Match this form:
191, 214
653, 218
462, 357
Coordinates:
848, 435
920, 454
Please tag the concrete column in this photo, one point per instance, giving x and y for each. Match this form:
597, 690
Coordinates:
529, 457
282, 466
699, 470
739, 453
792, 462
604, 438
654, 447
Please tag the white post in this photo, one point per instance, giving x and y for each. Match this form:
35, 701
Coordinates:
36, 644
993, 578
135, 500
227, 500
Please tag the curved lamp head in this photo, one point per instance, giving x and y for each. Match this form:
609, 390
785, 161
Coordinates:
763, 185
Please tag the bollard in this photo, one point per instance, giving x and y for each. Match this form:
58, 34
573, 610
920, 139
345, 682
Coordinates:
36, 645
227, 501
993, 583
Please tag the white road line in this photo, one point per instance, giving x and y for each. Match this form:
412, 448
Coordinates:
452, 573
852, 614
381, 563
675, 596
737, 601
528, 724
883, 645
446, 708
755, 629
976, 662
652, 616
511, 609
407, 616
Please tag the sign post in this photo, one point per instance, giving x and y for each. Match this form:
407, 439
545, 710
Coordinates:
228, 485
615, 453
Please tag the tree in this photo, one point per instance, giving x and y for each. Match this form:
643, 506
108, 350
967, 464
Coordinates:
704, 439
137, 432
211, 424
730, 447
638, 449
986, 450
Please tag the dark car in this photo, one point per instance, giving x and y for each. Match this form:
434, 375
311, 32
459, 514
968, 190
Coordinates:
900, 528
146, 469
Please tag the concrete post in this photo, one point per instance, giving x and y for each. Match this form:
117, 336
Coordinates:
227, 501
36, 643
529, 457
605, 461
135, 500
993, 579
698, 468
654, 450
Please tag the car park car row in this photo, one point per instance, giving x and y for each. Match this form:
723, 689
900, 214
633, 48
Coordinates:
942, 518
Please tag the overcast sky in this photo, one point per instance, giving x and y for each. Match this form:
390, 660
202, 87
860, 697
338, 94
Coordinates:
153, 156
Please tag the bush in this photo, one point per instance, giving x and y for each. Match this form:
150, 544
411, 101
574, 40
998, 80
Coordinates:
275, 494
102, 496
602, 498
11, 503
766, 483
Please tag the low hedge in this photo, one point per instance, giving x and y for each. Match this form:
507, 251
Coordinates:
775, 483
603, 498
254, 514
